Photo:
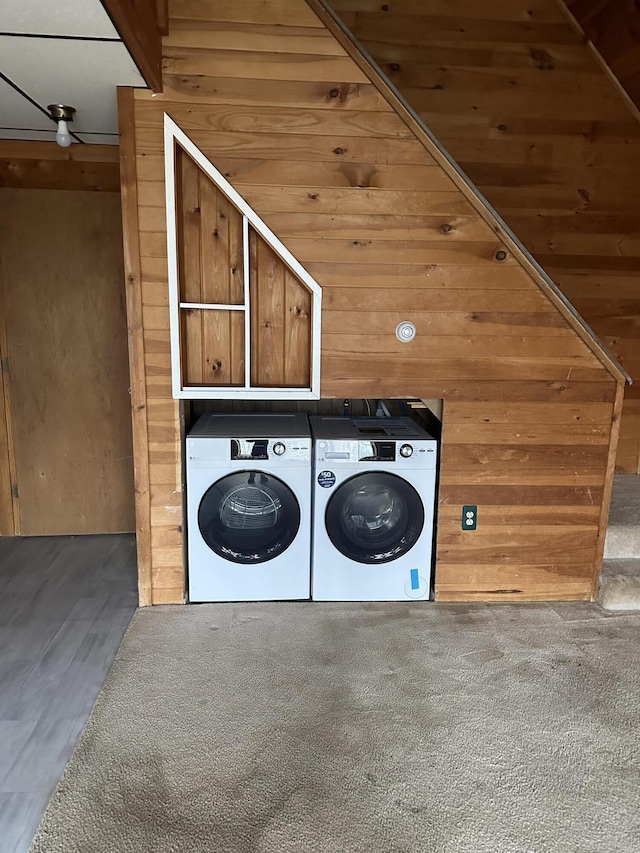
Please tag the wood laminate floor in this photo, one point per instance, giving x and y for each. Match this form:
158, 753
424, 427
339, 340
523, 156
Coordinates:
65, 603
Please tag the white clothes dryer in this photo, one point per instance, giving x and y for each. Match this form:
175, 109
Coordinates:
249, 508
374, 503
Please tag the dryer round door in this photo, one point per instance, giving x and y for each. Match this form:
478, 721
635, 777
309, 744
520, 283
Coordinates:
374, 517
249, 517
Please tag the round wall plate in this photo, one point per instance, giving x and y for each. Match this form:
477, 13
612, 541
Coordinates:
405, 331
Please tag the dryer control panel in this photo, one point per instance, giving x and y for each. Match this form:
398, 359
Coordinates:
241, 449
206, 452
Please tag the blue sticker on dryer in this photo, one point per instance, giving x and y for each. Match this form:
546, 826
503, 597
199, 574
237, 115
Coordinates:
326, 479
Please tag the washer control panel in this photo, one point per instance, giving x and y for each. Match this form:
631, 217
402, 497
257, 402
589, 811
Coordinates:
336, 452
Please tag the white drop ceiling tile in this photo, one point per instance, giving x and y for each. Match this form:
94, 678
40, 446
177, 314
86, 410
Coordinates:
39, 135
59, 18
100, 138
17, 112
81, 74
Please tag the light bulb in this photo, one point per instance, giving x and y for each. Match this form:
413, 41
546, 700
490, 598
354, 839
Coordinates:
63, 137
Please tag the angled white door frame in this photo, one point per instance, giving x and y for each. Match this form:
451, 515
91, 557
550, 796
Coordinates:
173, 134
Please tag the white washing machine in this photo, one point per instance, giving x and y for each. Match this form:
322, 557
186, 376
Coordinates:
249, 508
374, 502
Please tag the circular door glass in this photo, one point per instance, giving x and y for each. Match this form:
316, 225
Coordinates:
249, 517
374, 517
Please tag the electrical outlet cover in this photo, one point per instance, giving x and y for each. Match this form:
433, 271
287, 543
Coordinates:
469, 517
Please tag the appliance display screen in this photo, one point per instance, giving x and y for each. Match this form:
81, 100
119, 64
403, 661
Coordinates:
377, 451
245, 448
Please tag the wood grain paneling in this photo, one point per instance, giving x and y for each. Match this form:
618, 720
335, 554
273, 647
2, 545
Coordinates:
519, 100
209, 239
136, 341
212, 347
211, 272
45, 165
295, 125
280, 321
62, 282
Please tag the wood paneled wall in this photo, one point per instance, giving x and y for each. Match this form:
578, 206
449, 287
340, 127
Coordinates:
521, 103
530, 412
281, 315
210, 261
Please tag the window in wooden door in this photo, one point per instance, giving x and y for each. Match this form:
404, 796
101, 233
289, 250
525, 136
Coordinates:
245, 314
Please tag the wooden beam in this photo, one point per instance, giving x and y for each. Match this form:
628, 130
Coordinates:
138, 23
607, 489
162, 7
45, 165
133, 285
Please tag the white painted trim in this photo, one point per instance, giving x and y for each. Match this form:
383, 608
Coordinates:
256, 223
173, 134
247, 314
316, 315
172, 262
237, 392
212, 306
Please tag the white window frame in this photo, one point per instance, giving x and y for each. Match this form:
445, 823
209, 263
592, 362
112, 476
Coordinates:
173, 134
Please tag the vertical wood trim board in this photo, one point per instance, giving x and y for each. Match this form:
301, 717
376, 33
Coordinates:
273, 101
135, 324
9, 508
608, 488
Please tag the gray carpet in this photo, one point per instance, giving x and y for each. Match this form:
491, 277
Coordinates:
386, 727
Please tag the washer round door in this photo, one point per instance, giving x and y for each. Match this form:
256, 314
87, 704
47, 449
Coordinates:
374, 517
249, 517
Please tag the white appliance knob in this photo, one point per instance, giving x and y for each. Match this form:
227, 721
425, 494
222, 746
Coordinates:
279, 448
406, 451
